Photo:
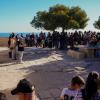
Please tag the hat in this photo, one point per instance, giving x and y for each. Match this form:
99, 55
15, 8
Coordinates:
23, 86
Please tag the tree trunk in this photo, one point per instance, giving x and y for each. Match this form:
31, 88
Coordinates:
63, 30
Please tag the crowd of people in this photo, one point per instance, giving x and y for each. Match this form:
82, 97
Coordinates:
79, 89
16, 46
57, 40
63, 40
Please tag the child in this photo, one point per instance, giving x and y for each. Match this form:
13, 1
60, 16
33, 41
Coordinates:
73, 92
91, 89
24, 90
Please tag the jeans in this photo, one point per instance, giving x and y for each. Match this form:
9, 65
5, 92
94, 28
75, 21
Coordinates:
20, 56
13, 53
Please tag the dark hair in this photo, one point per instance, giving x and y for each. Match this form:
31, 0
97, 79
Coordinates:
24, 86
91, 87
77, 80
3, 96
12, 35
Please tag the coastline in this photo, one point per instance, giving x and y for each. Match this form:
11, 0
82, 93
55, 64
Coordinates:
3, 42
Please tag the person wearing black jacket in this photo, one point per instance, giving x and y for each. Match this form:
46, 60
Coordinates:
20, 50
9, 42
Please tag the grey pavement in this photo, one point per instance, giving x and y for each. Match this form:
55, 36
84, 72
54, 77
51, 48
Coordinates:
48, 69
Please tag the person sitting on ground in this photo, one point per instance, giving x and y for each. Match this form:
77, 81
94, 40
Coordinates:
3, 96
91, 90
24, 90
71, 93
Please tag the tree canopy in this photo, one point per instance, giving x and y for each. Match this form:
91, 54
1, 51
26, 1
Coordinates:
97, 23
60, 16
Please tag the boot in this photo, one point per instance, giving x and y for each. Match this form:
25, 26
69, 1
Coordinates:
10, 55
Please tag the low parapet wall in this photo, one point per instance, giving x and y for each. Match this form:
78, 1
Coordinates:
75, 54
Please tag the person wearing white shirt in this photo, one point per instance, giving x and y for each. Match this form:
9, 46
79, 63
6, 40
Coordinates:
74, 91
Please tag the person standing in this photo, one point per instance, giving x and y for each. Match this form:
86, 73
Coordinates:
20, 44
13, 46
9, 42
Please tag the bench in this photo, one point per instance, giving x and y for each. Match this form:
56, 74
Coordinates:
90, 52
75, 54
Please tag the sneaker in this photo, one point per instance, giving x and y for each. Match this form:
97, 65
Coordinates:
21, 62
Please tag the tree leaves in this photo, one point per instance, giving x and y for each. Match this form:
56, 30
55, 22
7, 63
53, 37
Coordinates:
60, 16
97, 23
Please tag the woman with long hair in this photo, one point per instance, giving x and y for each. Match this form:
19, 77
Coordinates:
90, 92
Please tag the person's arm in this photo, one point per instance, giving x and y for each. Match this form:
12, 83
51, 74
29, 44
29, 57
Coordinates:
62, 94
8, 43
61, 98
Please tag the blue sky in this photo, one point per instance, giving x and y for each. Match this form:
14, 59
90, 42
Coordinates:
15, 15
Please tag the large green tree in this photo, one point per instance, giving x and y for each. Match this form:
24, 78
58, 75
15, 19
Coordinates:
97, 23
78, 18
44, 20
60, 16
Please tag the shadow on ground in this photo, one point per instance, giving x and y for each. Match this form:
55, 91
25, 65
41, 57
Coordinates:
49, 78
51, 70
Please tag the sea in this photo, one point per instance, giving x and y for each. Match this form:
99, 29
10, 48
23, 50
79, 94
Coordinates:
6, 35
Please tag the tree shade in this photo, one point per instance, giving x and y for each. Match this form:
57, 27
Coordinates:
60, 16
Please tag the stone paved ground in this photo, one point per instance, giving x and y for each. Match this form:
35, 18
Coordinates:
47, 69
